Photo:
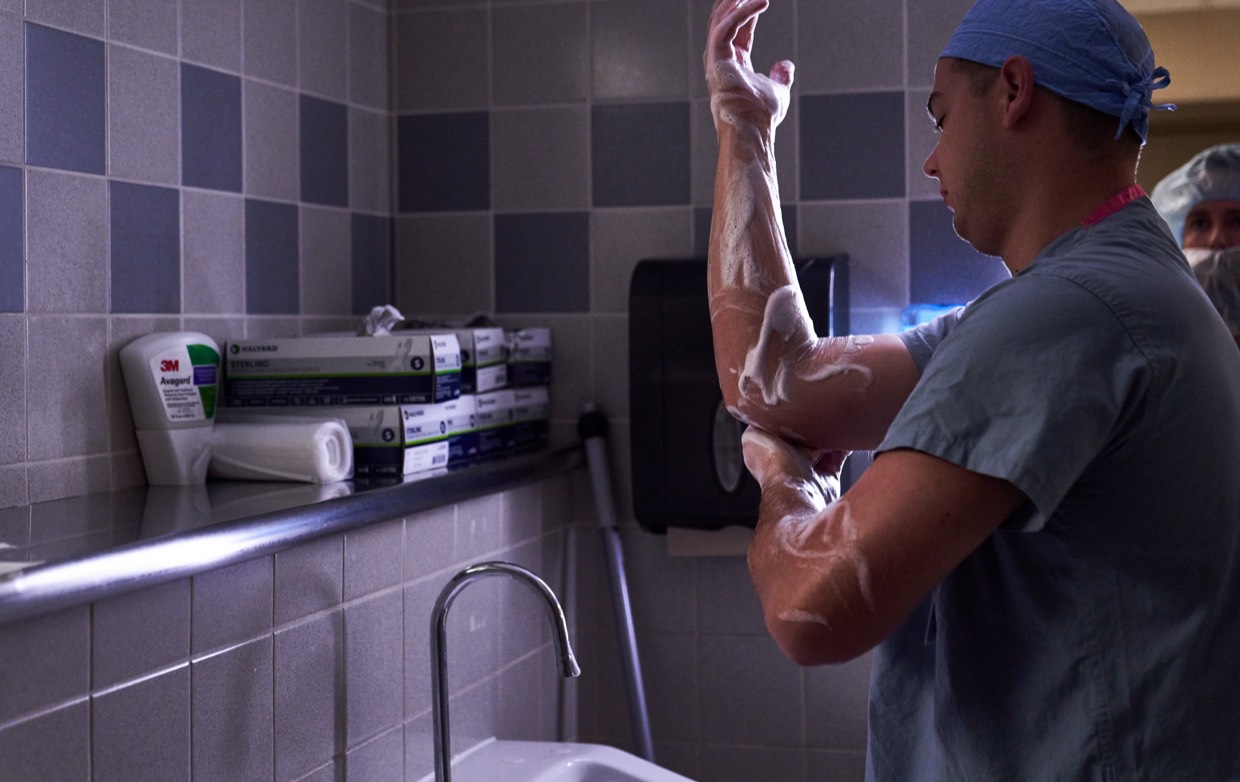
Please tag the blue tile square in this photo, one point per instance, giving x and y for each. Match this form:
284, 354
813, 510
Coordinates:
943, 268
542, 262
371, 247
852, 146
66, 91
272, 282
444, 162
146, 248
12, 260
210, 129
640, 154
324, 152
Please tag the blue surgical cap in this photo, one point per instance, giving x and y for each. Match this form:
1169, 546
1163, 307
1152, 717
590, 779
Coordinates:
1088, 51
1211, 175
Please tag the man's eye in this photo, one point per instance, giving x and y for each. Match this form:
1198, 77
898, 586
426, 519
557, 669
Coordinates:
938, 123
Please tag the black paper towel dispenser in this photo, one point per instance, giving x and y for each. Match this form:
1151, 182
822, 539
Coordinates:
686, 450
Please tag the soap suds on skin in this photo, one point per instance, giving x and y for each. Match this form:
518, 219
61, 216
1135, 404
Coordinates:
797, 616
739, 415
727, 78
786, 347
824, 541
740, 267
752, 281
822, 534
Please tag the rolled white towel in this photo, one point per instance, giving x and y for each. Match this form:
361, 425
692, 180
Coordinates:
304, 450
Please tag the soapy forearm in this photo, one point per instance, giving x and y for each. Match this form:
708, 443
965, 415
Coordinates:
805, 558
766, 349
837, 573
748, 248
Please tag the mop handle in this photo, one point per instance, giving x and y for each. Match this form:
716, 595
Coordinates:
592, 428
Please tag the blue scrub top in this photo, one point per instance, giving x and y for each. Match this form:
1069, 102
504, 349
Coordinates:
1094, 635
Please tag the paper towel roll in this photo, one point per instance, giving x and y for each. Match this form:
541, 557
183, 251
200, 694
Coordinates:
309, 451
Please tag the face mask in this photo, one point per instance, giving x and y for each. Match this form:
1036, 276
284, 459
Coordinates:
1218, 271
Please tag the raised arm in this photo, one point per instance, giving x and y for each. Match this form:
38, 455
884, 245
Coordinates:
834, 393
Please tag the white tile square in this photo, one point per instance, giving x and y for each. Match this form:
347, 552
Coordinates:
144, 127
272, 138
269, 29
322, 46
619, 238
211, 33
370, 161
368, 57
69, 417
12, 89
213, 252
13, 390
66, 243
326, 265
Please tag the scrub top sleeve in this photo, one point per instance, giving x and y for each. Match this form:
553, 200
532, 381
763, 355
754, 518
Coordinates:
923, 339
1027, 388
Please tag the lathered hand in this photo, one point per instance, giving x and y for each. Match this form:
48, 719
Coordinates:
775, 462
739, 96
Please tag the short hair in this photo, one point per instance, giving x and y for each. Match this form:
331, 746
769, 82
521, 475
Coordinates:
1090, 128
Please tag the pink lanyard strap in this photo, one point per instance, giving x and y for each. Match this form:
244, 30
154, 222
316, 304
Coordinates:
1114, 204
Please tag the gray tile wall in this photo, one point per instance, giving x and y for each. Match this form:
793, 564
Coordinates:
310, 664
219, 165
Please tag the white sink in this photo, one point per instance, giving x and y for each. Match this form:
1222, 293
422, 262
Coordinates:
547, 761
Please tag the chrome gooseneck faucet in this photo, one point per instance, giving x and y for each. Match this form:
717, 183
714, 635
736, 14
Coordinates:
439, 661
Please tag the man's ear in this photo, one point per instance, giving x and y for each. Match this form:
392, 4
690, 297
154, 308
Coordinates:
1016, 80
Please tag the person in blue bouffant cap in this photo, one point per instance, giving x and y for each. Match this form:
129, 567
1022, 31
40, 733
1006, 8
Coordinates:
1044, 555
1200, 200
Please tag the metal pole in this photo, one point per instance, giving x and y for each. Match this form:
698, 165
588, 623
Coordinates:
592, 427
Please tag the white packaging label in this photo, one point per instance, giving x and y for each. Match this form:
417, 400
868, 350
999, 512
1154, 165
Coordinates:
489, 346
491, 378
420, 458
186, 390
447, 351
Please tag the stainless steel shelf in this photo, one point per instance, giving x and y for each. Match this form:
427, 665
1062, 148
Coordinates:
182, 552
